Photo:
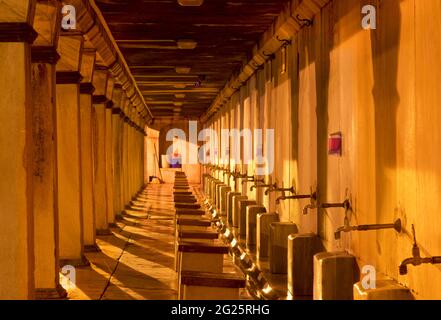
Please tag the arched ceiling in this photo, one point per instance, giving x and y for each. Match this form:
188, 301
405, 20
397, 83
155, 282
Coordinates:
148, 31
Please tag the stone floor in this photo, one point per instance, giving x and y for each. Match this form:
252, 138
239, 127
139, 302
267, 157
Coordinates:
136, 261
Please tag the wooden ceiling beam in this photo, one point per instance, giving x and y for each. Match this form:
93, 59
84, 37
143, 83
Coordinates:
225, 31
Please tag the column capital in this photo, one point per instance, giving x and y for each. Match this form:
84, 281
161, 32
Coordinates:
86, 88
116, 111
68, 77
109, 104
17, 32
47, 23
99, 99
99, 81
88, 58
70, 47
44, 54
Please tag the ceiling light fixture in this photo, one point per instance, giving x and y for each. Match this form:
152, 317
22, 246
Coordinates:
180, 86
186, 44
183, 70
190, 3
180, 95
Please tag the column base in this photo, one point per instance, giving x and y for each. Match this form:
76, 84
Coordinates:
82, 262
51, 293
103, 232
92, 248
119, 216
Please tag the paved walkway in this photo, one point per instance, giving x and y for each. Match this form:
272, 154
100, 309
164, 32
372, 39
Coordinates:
136, 262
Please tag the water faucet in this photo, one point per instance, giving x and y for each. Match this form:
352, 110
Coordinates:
366, 227
270, 188
309, 207
345, 205
297, 197
245, 178
416, 259
258, 186
276, 189
235, 174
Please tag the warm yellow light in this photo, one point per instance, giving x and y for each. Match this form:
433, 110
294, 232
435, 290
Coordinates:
267, 289
186, 44
190, 3
183, 70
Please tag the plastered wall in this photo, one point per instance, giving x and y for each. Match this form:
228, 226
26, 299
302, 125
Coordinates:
189, 164
380, 89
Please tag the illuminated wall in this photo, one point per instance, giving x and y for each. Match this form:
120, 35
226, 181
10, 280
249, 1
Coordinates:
380, 89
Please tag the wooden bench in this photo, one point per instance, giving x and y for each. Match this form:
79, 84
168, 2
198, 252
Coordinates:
181, 192
208, 235
200, 256
181, 186
211, 286
193, 222
181, 189
185, 199
179, 205
190, 212
202, 235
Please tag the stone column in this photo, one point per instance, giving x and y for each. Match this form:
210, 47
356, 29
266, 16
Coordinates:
109, 154
44, 57
16, 222
128, 158
100, 79
121, 152
87, 174
68, 179
125, 156
140, 153
145, 155
117, 139
131, 157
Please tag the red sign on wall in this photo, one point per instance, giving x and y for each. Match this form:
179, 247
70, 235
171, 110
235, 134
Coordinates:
335, 144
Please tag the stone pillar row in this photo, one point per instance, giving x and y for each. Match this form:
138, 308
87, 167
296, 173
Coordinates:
72, 149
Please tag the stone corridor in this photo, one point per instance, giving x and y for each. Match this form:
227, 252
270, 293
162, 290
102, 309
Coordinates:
136, 261
219, 149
